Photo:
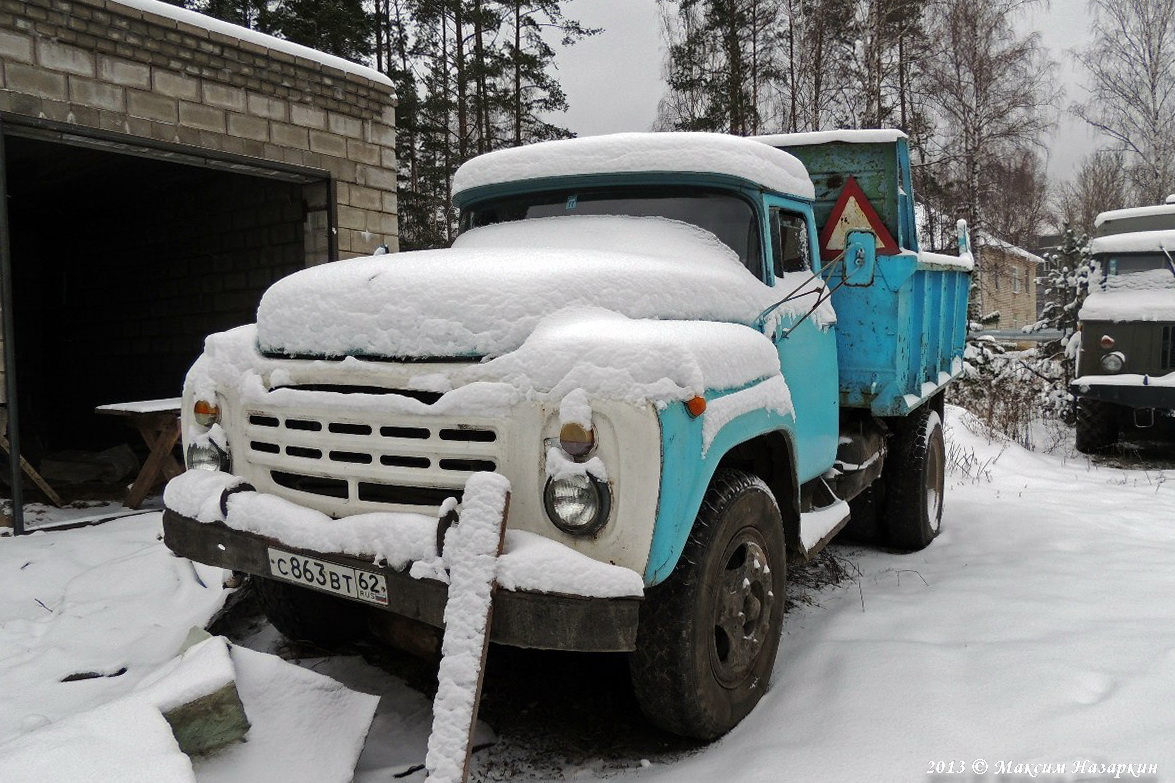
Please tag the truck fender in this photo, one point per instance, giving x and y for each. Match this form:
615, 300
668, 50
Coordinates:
760, 442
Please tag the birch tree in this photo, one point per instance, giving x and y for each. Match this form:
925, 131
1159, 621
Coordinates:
1131, 80
1099, 185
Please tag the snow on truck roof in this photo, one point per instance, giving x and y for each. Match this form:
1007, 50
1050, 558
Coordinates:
159, 8
709, 153
1135, 242
1134, 212
867, 136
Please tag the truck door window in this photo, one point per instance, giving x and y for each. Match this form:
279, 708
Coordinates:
789, 242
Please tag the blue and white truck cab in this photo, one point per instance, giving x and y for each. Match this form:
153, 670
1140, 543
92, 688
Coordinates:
693, 356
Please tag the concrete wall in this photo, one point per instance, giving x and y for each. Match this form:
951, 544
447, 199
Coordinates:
110, 67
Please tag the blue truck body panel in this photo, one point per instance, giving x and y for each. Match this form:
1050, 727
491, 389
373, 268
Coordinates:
900, 339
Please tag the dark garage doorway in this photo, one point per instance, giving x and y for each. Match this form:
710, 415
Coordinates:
123, 258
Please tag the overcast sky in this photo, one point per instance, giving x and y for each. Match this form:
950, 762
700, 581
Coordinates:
613, 81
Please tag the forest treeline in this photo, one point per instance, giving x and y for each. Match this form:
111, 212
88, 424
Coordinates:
968, 80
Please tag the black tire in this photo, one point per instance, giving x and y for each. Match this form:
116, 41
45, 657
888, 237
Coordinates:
1097, 426
709, 633
308, 616
915, 474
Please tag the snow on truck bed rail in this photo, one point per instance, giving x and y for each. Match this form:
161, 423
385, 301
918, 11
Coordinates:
709, 153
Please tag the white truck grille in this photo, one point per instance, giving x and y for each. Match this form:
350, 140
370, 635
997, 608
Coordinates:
363, 459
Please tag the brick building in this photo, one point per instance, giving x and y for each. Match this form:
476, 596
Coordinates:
161, 169
1007, 273
1008, 283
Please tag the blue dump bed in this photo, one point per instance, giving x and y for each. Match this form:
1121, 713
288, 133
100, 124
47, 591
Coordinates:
900, 338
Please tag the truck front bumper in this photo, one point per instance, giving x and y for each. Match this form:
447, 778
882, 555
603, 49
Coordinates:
1140, 394
522, 618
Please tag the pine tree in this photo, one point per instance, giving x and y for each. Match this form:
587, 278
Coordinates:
1065, 284
723, 55
343, 28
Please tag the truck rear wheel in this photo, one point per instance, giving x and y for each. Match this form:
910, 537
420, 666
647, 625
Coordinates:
304, 615
914, 478
1097, 426
709, 633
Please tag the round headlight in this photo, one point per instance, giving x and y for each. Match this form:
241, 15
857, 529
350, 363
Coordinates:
1113, 362
206, 413
577, 504
205, 456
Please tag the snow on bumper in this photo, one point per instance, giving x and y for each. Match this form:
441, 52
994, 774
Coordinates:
1129, 389
549, 595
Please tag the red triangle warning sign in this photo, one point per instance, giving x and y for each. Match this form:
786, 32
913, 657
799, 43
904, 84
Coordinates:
851, 212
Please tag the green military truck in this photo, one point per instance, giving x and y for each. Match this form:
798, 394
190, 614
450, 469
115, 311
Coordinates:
1125, 384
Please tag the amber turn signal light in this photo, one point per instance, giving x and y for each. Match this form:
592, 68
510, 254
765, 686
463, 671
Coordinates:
206, 413
576, 440
696, 406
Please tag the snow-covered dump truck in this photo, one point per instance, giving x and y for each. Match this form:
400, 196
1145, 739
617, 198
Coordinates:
690, 354
1125, 384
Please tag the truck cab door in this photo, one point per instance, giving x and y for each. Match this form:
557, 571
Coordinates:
806, 345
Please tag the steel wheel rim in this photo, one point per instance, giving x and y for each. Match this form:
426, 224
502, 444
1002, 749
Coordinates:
743, 603
935, 479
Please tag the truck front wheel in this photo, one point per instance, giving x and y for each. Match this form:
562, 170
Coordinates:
304, 615
914, 478
1097, 426
709, 633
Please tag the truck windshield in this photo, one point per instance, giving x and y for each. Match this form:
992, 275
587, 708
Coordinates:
727, 216
1114, 264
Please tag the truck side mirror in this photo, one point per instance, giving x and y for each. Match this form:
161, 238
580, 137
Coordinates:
860, 258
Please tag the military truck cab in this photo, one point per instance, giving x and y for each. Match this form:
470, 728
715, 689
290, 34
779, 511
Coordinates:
1125, 384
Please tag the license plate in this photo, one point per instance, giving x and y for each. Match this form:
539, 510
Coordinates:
329, 577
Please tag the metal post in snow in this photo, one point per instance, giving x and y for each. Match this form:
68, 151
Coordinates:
9, 346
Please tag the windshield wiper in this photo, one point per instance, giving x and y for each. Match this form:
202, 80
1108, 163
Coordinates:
1170, 261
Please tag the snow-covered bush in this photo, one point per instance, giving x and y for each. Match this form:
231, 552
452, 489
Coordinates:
1010, 390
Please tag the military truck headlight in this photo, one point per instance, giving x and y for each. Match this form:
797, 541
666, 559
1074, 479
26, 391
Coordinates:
1113, 362
206, 456
577, 504
206, 413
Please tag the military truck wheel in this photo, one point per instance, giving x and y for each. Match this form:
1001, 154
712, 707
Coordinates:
1097, 426
914, 477
709, 633
304, 615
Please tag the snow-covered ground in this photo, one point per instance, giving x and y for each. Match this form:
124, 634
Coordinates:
1036, 630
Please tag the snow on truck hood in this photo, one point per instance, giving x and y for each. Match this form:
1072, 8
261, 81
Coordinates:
1138, 296
485, 296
